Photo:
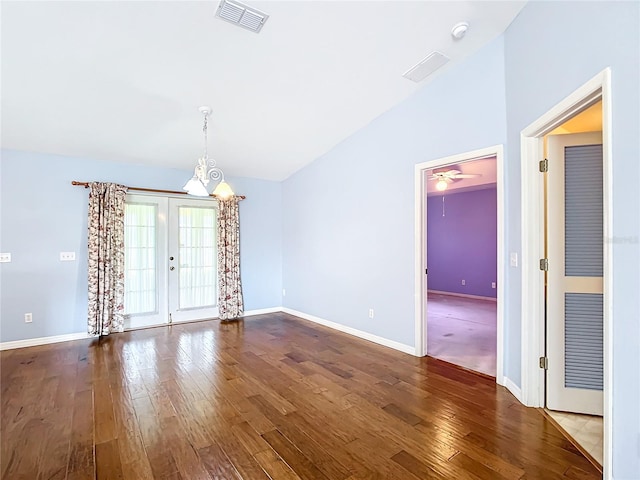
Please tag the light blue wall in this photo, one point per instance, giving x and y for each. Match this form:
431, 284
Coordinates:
349, 216
551, 49
260, 242
37, 223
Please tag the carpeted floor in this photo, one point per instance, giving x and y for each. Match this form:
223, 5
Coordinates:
462, 331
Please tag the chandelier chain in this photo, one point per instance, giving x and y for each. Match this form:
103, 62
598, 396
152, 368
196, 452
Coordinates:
204, 130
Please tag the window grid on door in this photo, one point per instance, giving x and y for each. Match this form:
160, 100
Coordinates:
197, 257
140, 240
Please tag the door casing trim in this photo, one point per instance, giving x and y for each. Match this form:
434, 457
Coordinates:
532, 229
420, 236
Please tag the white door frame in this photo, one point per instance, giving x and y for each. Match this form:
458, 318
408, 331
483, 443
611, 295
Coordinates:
421, 254
164, 315
532, 228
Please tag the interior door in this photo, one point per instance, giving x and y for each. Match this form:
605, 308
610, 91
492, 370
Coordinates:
170, 260
575, 276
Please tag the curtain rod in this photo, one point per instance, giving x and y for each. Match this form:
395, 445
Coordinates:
153, 190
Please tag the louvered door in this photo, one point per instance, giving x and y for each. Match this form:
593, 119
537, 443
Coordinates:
574, 279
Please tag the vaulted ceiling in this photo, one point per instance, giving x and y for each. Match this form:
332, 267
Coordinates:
122, 81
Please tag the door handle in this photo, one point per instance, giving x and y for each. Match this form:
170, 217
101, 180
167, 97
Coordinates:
172, 268
170, 258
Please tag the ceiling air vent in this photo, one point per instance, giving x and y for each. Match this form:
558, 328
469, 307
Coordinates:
426, 67
241, 15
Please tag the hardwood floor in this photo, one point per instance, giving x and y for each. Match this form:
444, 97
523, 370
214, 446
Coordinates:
271, 397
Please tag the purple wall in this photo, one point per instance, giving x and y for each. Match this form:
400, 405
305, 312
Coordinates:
462, 244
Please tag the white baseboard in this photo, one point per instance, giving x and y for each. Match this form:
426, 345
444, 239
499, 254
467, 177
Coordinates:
32, 342
465, 295
513, 388
261, 311
352, 331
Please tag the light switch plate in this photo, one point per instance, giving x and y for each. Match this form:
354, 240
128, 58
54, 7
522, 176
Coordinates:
513, 259
5, 257
67, 256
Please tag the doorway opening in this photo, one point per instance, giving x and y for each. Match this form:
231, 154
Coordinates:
461, 252
565, 299
423, 172
574, 328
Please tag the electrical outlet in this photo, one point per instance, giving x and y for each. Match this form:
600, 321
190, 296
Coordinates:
28, 317
464, 282
371, 313
67, 256
5, 257
493, 284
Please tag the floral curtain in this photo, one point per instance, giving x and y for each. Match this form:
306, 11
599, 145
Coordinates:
106, 258
230, 304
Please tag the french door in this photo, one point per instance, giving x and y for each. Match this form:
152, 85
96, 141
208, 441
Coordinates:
170, 260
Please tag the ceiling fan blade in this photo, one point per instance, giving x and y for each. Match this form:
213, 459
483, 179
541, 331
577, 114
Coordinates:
467, 175
452, 173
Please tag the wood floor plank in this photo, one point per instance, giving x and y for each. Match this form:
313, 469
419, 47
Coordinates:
275, 466
296, 460
217, 463
247, 465
109, 466
385, 450
415, 466
162, 463
56, 444
188, 464
478, 469
252, 441
81, 461
269, 397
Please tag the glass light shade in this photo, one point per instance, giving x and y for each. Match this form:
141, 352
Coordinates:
196, 188
190, 184
223, 190
441, 185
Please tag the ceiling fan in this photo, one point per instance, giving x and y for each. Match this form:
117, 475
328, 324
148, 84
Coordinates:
445, 177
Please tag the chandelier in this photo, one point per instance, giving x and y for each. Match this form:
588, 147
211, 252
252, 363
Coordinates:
206, 170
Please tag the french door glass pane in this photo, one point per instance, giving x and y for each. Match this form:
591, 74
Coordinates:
140, 284
198, 258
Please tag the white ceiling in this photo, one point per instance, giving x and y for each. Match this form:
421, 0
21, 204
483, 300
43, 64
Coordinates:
122, 81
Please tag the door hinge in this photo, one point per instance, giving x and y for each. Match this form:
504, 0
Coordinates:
170, 319
544, 363
544, 264
426, 271
544, 165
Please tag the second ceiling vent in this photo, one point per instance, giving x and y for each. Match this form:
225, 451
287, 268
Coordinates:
426, 67
242, 15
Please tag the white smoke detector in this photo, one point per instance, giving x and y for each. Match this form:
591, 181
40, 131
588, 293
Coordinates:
459, 30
